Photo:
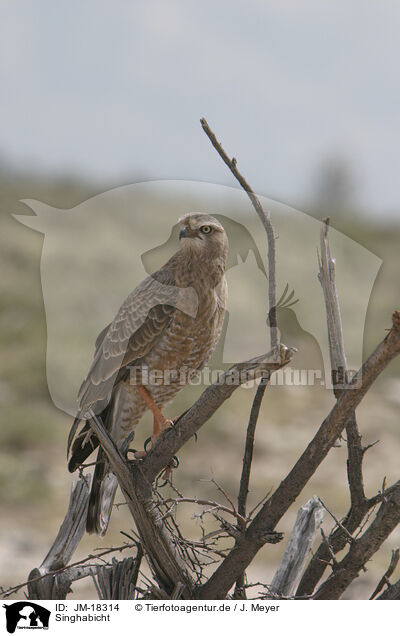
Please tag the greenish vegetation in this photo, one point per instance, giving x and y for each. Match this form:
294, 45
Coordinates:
34, 482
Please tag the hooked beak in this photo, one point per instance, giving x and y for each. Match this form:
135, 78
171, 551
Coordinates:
182, 233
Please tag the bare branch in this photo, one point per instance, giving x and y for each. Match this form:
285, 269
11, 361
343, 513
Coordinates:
76, 570
206, 502
382, 495
240, 590
309, 519
265, 220
327, 542
385, 579
224, 493
362, 549
68, 537
347, 534
248, 452
207, 404
277, 505
169, 569
136, 481
359, 504
353, 521
392, 593
117, 581
327, 278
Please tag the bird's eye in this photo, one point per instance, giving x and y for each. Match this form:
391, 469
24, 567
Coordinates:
206, 229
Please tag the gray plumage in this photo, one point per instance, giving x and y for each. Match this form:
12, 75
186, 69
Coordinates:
171, 322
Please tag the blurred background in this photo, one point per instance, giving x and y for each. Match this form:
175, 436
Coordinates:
99, 95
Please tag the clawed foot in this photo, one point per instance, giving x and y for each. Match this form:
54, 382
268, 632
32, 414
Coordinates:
166, 474
151, 441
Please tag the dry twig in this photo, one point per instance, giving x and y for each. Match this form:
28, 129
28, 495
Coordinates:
385, 578
240, 590
276, 506
359, 505
265, 220
309, 519
74, 567
362, 549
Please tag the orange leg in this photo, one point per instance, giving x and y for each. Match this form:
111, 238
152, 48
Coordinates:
160, 423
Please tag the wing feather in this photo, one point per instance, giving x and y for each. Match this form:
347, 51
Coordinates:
140, 321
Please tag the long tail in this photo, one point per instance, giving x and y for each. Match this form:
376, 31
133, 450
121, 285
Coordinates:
104, 487
104, 483
102, 494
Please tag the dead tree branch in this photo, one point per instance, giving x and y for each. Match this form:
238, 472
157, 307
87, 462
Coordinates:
274, 333
359, 505
118, 581
240, 591
265, 220
249, 447
136, 482
276, 506
75, 571
385, 579
327, 278
392, 593
207, 404
309, 519
68, 537
361, 550
214, 505
168, 568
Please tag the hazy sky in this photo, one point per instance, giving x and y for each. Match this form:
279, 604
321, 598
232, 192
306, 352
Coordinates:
114, 90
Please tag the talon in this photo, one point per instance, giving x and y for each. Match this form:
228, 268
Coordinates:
175, 462
131, 450
166, 475
165, 483
140, 454
162, 425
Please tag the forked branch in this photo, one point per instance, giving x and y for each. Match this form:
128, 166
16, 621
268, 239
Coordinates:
359, 504
277, 505
265, 220
136, 481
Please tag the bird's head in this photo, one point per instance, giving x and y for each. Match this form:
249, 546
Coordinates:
203, 233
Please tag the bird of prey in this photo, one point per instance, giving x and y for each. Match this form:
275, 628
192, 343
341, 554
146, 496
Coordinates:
169, 325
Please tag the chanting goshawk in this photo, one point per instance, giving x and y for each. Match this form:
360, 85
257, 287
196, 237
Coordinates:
169, 324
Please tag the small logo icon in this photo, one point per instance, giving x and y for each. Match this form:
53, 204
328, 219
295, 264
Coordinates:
26, 615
